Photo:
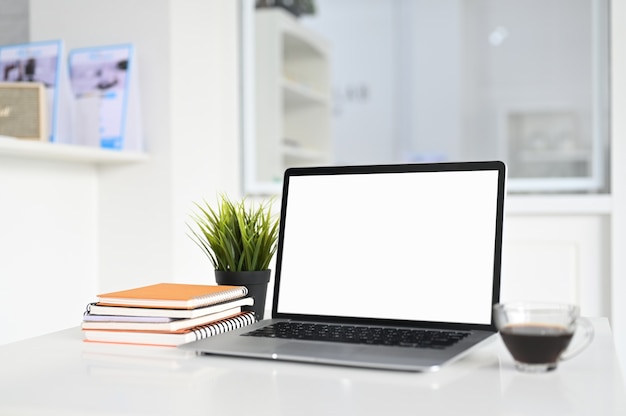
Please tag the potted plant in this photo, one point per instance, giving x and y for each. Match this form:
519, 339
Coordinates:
239, 237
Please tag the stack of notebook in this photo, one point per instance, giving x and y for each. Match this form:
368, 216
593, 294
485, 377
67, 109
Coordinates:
167, 314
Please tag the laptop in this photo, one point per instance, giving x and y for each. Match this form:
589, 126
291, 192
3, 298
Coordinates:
381, 266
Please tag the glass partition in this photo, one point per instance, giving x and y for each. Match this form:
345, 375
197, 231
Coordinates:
390, 81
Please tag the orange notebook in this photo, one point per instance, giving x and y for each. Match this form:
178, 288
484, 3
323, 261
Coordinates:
173, 295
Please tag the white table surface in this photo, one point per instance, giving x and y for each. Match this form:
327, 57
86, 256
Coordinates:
58, 374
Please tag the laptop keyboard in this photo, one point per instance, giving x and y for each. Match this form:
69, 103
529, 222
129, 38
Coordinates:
402, 337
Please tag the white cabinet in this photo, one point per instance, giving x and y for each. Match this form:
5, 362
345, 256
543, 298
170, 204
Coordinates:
557, 248
560, 259
292, 97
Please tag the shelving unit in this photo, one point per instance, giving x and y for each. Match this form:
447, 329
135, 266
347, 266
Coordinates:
10, 146
292, 96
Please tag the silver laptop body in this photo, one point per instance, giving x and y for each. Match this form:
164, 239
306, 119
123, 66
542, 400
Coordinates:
400, 246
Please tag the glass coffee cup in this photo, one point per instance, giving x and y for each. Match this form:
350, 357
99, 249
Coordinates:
539, 335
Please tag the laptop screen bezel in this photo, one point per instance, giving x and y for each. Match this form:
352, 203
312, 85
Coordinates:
497, 166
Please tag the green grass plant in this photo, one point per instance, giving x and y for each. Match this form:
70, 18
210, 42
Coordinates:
236, 235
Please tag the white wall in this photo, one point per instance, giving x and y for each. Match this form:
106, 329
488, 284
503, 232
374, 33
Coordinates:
48, 245
70, 231
187, 53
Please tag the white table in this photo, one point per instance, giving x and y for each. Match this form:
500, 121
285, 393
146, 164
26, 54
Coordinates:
58, 374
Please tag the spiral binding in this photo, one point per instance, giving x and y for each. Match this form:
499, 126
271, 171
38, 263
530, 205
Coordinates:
224, 325
88, 308
215, 298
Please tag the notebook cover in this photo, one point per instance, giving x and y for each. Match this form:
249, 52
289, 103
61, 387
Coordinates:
173, 295
133, 311
178, 325
170, 338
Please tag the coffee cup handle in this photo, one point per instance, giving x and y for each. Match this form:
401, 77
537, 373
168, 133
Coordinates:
583, 326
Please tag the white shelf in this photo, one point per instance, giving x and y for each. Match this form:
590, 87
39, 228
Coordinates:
301, 153
299, 40
296, 94
13, 147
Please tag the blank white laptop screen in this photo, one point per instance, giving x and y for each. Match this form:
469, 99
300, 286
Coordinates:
409, 246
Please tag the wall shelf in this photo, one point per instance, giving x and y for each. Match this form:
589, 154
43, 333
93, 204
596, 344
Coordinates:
301, 153
13, 147
298, 94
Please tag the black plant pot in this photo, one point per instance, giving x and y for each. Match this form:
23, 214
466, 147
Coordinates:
256, 281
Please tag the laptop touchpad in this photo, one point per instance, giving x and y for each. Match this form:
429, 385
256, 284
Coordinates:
297, 349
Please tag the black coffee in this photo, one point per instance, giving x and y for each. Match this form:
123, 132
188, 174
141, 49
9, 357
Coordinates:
536, 344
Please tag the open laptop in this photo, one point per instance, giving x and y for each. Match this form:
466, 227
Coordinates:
411, 250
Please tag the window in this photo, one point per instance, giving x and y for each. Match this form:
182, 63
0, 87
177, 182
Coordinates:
524, 81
